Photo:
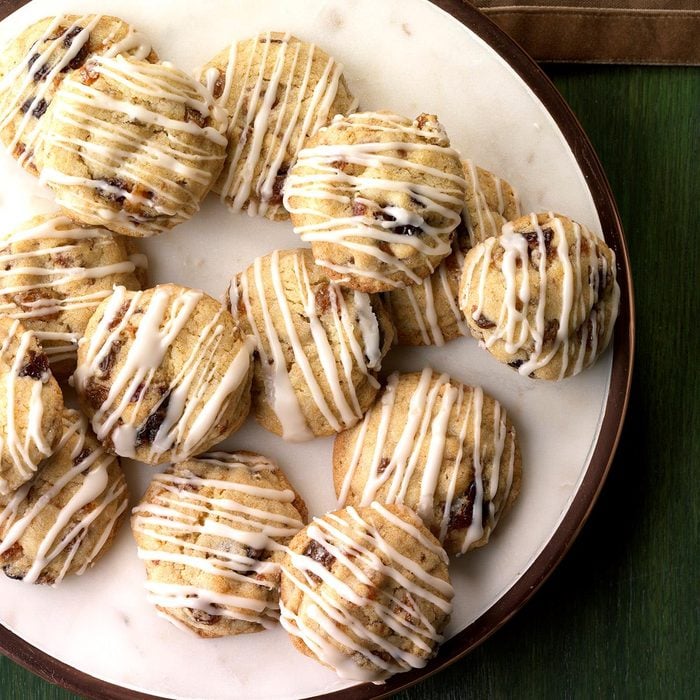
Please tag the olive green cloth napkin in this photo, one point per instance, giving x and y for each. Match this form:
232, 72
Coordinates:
602, 31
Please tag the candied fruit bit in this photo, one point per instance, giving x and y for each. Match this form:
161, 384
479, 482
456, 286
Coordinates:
424, 119
88, 74
137, 393
254, 554
107, 362
37, 368
115, 191
13, 552
41, 72
149, 429
484, 322
219, 85
320, 554
95, 394
408, 230
278, 186
83, 52
462, 510
359, 209
193, 115
202, 616
550, 331
323, 299
533, 241
116, 319
38, 107
84, 454
71, 34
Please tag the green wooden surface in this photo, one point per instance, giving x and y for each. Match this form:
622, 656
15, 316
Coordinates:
620, 617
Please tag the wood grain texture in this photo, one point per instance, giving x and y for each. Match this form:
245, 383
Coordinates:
620, 616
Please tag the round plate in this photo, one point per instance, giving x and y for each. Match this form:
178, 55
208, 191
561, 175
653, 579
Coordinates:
96, 634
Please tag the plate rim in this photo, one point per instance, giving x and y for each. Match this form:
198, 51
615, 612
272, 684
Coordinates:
521, 591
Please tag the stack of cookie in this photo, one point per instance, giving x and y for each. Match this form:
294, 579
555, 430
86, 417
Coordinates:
410, 244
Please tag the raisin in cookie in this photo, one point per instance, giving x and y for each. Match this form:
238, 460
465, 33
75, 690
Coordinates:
31, 404
211, 532
53, 275
446, 450
366, 592
66, 517
429, 313
163, 374
378, 197
543, 296
33, 65
278, 91
131, 146
319, 346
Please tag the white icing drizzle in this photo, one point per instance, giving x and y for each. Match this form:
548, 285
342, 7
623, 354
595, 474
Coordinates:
181, 512
27, 303
365, 556
338, 349
38, 72
68, 530
375, 224
580, 294
419, 455
168, 179
191, 410
16, 352
283, 93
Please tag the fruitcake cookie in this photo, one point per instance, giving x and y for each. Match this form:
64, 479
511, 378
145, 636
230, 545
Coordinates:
130, 145
319, 346
211, 532
163, 374
489, 203
378, 197
366, 592
33, 65
53, 275
66, 517
429, 313
278, 91
31, 404
446, 450
543, 296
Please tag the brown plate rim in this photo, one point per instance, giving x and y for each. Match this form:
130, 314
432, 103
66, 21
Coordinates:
55, 671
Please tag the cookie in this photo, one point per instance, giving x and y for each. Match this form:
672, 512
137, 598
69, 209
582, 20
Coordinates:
163, 374
33, 65
31, 404
489, 203
131, 146
278, 91
53, 275
378, 197
429, 313
211, 532
366, 592
319, 346
543, 296
445, 450
64, 519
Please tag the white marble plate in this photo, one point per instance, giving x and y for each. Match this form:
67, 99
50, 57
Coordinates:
411, 57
